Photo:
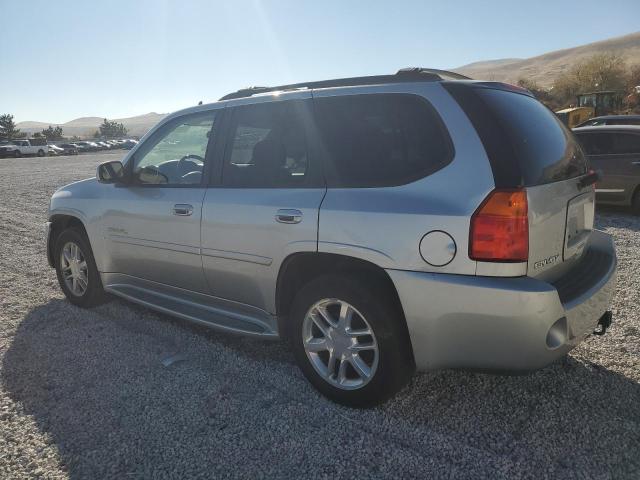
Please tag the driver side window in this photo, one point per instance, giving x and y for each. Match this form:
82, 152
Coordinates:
175, 155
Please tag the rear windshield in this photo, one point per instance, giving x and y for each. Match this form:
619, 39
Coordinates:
525, 141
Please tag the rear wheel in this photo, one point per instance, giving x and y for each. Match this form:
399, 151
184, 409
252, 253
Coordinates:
17, 154
41, 153
76, 269
348, 342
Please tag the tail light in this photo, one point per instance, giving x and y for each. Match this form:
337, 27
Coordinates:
500, 228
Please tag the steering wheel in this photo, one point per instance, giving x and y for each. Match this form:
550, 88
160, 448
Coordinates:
184, 168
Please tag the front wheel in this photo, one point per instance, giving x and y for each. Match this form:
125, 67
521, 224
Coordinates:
76, 269
348, 341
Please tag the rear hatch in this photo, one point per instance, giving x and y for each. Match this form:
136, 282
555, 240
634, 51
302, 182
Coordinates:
530, 148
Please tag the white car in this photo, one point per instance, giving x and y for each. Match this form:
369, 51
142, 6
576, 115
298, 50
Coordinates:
20, 148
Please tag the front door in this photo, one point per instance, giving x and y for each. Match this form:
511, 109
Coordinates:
266, 207
152, 226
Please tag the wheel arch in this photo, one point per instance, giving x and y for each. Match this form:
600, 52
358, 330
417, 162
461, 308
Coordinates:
300, 268
59, 223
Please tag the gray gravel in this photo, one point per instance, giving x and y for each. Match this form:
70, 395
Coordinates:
84, 394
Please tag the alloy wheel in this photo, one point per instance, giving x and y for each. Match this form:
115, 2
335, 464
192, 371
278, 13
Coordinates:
73, 266
340, 344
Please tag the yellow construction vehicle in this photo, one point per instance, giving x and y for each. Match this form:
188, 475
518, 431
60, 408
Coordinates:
575, 115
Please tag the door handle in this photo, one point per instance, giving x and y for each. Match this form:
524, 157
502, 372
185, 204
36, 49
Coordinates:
182, 209
288, 215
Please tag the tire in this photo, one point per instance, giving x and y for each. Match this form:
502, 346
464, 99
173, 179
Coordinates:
390, 365
93, 294
41, 153
17, 154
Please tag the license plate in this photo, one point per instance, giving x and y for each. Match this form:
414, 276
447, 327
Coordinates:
580, 212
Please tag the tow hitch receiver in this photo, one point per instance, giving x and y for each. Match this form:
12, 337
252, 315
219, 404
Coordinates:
603, 323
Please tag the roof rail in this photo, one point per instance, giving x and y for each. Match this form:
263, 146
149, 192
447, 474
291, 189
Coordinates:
443, 74
411, 74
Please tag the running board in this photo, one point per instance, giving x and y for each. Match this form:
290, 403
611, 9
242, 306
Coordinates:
195, 311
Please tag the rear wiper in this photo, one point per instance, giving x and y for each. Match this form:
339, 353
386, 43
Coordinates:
589, 179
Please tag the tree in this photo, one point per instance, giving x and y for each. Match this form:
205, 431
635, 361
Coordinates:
53, 133
602, 71
539, 92
38, 135
8, 130
111, 129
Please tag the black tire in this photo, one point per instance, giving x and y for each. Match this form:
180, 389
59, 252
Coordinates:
41, 153
17, 154
94, 294
395, 363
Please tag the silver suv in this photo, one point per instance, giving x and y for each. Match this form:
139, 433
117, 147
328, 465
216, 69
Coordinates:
379, 224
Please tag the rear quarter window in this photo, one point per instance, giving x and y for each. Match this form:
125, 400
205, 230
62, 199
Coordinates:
609, 143
525, 141
378, 140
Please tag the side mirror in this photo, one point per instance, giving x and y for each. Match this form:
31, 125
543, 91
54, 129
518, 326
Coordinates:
111, 172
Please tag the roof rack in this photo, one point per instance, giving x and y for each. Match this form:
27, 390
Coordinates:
410, 74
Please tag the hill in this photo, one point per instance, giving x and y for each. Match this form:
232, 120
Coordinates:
86, 126
543, 69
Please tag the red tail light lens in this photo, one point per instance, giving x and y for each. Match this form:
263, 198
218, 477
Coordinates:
500, 228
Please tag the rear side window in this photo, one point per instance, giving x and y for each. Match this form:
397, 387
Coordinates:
610, 143
626, 143
596, 143
377, 140
525, 141
633, 121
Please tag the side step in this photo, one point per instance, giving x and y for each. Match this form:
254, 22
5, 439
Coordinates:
194, 311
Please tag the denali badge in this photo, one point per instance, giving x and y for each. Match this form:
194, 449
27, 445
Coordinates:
546, 261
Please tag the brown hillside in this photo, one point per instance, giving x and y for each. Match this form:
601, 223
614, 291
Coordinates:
543, 69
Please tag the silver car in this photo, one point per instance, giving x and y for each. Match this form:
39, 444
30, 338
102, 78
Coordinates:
381, 225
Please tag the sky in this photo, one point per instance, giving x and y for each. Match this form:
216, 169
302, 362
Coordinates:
119, 58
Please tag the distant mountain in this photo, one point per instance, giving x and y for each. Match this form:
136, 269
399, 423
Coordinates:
86, 126
545, 68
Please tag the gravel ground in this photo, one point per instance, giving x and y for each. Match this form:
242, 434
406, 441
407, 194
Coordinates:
84, 393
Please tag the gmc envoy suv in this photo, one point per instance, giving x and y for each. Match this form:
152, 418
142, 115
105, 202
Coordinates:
381, 225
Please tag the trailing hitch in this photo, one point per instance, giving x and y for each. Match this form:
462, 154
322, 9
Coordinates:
604, 323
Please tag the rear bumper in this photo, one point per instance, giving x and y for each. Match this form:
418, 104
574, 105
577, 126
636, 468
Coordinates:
493, 323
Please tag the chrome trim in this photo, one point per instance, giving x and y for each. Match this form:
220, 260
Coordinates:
155, 244
243, 257
288, 215
182, 209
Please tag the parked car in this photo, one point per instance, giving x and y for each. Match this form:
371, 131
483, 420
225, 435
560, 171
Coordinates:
69, 148
611, 120
379, 224
55, 150
20, 148
128, 144
615, 150
87, 146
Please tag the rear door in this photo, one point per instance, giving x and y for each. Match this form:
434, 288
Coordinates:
617, 155
266, 204
529, 148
